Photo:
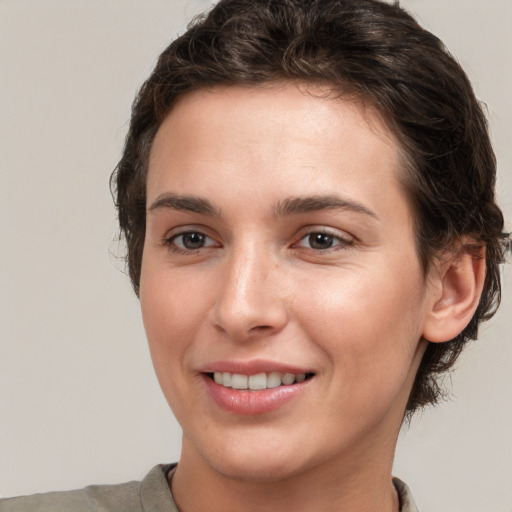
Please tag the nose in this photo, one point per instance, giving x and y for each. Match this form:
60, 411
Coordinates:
251, 298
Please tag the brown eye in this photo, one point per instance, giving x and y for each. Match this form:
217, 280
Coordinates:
321, 241
191, 240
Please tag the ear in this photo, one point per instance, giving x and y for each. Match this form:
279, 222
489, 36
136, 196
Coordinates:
455, 286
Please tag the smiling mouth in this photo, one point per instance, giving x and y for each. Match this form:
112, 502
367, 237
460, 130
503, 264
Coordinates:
258, 381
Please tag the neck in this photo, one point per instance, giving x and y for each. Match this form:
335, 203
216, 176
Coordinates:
353, 484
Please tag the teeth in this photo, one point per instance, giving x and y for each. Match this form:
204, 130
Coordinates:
239, 381
287, 379
257, 381
226, 379
274, 380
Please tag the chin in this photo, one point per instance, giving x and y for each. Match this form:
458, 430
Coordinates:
262, 460
259, 470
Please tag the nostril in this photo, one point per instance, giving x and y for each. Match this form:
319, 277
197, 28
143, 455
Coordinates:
260, 328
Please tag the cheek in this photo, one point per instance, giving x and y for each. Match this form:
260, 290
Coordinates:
171, 304
368, 324
170, 324
171, 316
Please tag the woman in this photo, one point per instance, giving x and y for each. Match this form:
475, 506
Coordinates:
307, 194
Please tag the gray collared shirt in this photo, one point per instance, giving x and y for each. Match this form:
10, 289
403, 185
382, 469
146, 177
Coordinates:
152, 494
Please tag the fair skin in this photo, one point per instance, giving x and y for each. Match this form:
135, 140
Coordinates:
280, 240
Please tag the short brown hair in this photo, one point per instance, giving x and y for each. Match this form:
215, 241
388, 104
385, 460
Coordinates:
364, 47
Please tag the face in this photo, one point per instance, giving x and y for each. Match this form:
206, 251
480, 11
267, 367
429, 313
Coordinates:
280, 256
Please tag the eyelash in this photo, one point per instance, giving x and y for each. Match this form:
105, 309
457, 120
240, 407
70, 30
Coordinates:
343, 243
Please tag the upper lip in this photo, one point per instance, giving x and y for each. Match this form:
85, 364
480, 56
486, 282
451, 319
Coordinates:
252, 367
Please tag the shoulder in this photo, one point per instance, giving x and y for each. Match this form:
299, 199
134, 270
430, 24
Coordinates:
97, 498
152, 493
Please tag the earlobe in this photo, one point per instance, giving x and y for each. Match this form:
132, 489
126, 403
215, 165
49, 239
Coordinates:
456, 287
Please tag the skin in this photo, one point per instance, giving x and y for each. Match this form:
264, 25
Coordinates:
353, 313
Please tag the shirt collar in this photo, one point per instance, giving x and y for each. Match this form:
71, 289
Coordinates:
156, 495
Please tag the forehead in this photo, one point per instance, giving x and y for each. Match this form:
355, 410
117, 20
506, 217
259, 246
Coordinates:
270, 138
310, 100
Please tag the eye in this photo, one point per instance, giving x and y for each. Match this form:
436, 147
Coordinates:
321, 241
190, 241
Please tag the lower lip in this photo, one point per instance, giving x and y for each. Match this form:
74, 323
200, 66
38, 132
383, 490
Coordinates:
243, 401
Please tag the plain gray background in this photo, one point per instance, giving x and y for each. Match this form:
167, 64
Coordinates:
78, 400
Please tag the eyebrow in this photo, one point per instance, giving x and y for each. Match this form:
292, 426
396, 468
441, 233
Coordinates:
185, 203
306, 204
288, 206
